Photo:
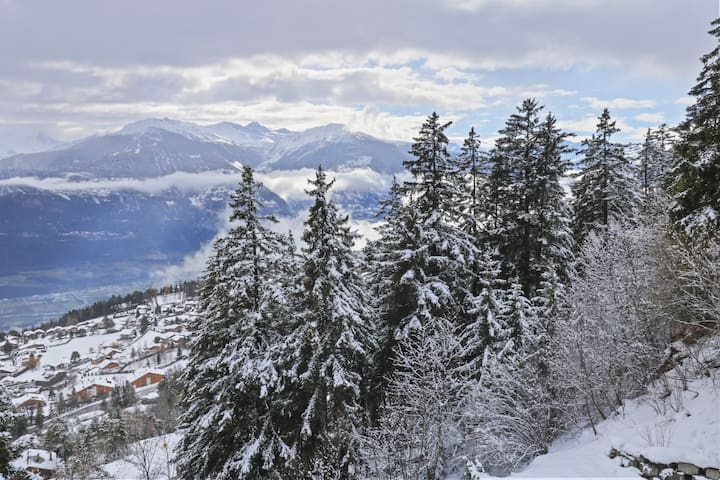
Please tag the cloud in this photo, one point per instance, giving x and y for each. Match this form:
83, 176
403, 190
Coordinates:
193, 265
656, 118
588, 125
185, 182
474, 5
291, 184
90, 67
686, 100
618, 103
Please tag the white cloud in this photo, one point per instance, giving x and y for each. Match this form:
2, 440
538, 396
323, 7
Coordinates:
656, 118
618, 103
193, 265
185, 182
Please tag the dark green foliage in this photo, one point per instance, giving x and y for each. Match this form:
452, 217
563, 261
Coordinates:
606, 190
696, 184
330, 345
230, 384
526, 215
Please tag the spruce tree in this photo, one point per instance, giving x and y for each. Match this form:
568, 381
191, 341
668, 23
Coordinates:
606, 190
696, 185
7, 419
232, 376
424, 274
470, 169
329, 347
529, 219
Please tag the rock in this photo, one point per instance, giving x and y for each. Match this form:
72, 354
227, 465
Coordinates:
688, 468
712, 473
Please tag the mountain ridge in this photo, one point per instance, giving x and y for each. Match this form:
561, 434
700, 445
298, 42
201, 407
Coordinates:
154, 147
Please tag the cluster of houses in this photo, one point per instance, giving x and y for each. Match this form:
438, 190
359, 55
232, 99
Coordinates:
62, 368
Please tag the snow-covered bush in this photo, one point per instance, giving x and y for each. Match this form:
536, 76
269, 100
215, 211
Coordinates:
611, 341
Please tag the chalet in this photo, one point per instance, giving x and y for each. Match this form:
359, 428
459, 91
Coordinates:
40, 462
110, 352
51, 378
174, 328
28, 402
128, 334
109, 365
150, 377
99, 360
99, 388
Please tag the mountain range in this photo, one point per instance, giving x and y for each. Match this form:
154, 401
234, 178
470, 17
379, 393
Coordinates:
114, 208
156, 147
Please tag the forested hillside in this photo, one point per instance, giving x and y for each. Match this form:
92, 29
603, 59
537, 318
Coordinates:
518, 294
495, 313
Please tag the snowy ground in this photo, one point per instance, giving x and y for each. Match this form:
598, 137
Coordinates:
149, 458
684, 427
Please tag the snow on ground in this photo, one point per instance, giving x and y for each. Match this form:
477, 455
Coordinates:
688, 430
150, 456
58, 354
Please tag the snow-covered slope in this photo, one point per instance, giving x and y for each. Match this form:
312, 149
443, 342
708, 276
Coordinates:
669, 425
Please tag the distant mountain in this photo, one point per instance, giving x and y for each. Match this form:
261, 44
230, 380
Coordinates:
12, 143
134, 201
157, 147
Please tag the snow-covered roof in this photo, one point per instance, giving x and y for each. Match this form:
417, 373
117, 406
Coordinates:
142, 372
27, 398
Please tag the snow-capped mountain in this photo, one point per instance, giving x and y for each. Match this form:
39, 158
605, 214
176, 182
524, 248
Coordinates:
156, 147
12, 143
123, 203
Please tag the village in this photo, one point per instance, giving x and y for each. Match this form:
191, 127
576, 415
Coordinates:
73, 372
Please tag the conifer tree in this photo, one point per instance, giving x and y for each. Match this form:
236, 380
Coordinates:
329, 347
606, 190
470, 170
696, 185
232, 375
529, 219
424, 265
7, 418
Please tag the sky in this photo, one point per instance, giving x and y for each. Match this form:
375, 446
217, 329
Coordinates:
77, 67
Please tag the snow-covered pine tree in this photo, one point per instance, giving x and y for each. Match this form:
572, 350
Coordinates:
529, 217
696, 185
552, 239
423, 261
489, 331
606, 190
329, 348
470, 170
230, 383
424, 272
7, 452
394, 295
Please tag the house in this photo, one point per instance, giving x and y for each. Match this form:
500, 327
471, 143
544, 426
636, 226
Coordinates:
28, 402
109, 365
39, 462
149, 377
99, 360
51, 378
94, 389
128, 334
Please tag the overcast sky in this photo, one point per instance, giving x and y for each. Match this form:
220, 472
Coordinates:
72, 68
